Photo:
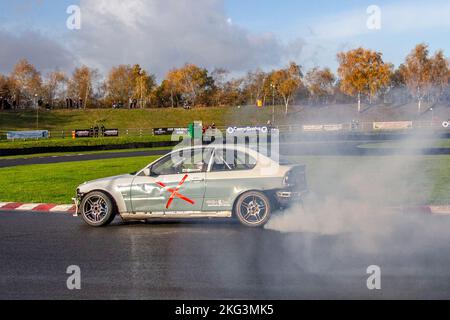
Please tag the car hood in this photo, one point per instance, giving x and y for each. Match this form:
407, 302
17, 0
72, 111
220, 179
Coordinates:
107, 179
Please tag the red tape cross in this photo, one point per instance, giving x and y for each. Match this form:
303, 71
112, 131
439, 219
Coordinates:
175, 192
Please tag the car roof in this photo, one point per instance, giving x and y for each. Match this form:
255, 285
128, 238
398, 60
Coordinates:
239, 147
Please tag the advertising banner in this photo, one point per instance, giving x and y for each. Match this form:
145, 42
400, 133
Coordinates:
243, 130
111, 133
84, 133
333, 127
37, 134
323, 127
393, 125
313, 128
169, 131
90, 133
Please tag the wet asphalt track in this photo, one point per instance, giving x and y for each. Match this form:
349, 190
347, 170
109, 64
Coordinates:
219, 260
324, 148
77, 157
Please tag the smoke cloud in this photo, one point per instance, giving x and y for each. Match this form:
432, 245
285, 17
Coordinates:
358, 213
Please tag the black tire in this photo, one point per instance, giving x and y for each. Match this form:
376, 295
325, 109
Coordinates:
97, 209
253, 209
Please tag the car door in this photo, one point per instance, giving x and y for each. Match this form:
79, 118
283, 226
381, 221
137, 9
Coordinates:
176, 183
228, 176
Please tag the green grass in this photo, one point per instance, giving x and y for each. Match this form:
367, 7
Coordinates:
68, 120
428, 143
393, 180
59, 142
56, 183
57, 120
396, 180
133, 120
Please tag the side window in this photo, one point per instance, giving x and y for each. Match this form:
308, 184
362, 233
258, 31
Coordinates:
235, 160
185, 161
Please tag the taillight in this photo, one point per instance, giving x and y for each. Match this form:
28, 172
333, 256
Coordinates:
286, 179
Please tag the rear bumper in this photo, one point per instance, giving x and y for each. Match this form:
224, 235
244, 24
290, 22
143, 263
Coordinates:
287, 198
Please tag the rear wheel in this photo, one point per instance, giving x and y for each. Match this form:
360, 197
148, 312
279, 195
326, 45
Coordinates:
97, 209
253, 209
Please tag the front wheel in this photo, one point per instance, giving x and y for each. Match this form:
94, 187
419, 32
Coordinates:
97, 209
253, 209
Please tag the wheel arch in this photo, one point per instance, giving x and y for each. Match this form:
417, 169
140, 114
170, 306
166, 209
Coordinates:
106, 192
268, 193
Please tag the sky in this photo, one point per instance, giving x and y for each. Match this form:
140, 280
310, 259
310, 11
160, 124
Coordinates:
238, 35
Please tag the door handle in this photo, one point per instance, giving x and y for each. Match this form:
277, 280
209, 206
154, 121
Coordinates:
197, 179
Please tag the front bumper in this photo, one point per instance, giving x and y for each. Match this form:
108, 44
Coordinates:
77, 204
77, 201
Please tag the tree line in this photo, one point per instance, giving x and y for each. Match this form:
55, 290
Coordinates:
362, 76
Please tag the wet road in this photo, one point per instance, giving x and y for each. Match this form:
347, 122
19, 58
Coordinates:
220, 260
77, 157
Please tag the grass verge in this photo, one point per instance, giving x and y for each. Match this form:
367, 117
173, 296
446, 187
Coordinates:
68, 120
432, 143
411, 180
67, 142
56, 183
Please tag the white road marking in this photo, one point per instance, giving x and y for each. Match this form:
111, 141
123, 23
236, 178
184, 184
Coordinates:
28, 206
2, 204
63, 207
442, 210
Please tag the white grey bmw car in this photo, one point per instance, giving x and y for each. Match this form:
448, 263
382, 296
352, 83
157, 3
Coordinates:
216, 181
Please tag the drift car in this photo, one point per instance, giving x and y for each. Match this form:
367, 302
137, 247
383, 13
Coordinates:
196, 182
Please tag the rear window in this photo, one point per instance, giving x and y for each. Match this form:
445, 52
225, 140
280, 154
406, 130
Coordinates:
226, 160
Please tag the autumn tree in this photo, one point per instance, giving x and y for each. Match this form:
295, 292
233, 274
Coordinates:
166, 94
255, 84
189, 81
234, 93
120, 84
219, 78
5, 92
55, 87
81, 85
143, 84
287, 81
397, 90
418, 73
398, 77
320, 83
26, 83
362, 72
440, 74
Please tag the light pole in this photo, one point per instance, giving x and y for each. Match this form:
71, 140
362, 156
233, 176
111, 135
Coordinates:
273, 102
432, 115
37, 110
